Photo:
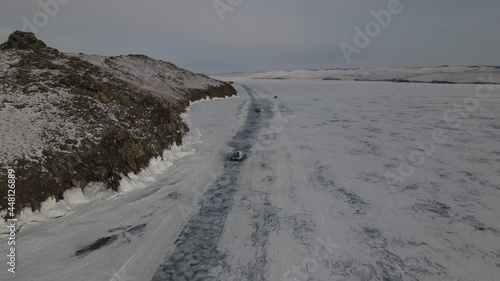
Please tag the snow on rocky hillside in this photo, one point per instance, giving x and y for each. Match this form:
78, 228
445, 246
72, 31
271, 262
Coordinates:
30, 116
66, 122
155, 75
452, 74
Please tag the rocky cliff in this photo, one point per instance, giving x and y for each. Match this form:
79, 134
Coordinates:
70, 119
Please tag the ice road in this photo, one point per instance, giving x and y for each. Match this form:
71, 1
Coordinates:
312, 200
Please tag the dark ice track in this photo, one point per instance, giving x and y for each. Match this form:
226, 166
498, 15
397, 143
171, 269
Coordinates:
196, 247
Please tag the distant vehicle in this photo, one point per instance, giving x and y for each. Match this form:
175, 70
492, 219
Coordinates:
238, 155
275, 97
257, 109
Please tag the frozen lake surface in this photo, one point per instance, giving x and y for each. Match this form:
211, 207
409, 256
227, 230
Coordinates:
343, 180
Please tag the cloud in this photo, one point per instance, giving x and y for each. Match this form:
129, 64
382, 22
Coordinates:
196, 21
262, 34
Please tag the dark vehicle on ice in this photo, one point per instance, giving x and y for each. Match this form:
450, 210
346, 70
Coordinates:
238, 155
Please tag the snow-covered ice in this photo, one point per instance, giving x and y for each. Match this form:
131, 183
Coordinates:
310, 202
455, 74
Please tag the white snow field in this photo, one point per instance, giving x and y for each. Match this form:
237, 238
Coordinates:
455, 74
312, 200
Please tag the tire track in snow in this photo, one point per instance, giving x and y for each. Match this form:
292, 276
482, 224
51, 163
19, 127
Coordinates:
196, 247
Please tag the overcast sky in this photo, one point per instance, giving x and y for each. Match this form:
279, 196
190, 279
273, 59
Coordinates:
267, 34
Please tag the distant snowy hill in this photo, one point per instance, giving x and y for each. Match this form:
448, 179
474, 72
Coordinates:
441, 74
71, 119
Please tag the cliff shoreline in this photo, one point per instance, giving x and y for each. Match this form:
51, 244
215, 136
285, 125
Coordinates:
82, 121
